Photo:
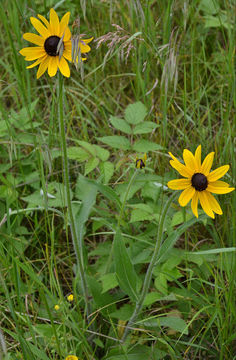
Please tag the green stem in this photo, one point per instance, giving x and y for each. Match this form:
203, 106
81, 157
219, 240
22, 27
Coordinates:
68, 199
148, 277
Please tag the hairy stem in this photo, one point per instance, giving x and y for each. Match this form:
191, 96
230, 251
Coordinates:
68, 198
148, 277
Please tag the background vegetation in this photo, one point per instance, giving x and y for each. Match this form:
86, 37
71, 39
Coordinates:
175, 61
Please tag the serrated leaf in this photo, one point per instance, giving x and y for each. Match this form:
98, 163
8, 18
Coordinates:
125, 272
87, 146
146, 145
102, 154
121, 125
109, 281
107, 169
135, 113
91, 165
116, 142
145, 127
77, 153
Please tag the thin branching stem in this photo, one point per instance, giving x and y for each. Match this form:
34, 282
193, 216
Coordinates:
148, 277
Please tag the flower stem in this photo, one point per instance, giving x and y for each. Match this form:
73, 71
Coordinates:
148, 277
68, 198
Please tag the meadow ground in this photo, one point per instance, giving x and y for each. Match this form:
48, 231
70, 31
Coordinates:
98, 260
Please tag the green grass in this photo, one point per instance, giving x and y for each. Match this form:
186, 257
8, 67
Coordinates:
181, 68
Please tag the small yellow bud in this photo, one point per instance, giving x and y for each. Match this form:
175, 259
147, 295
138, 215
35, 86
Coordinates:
70, 298
56, 307
71, 357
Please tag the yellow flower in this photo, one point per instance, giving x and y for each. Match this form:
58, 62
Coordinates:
56, 307
71, 357
141, 162
199, 182
54, 45
70, 297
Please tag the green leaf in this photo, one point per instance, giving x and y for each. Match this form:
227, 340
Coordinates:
140, 215
87, 146
101, 299
91, 165
107, 169
146, 145
135, 113
210, 7
125, 272
174, 236
101, 153
121, 125
174, 323
116, 142
109, 281
179, 218
104, 189
154, 296
145, 127
77, 153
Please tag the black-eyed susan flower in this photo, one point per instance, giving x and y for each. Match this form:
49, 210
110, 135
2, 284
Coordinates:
70, 297
54, 45
71, 357
141, 162
199, 182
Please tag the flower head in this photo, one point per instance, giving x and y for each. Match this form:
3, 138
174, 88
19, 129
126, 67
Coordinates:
199, 182
54, 45
71, 357
56, 307
70, 297
141, 162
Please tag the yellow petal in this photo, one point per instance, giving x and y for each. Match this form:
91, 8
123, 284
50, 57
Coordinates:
42, 18
67, 54
189, 160
218, 183
64, 23
194, 204
84, 48
207, 164
182, 169
34, 39
43, 67
179, 184
214, 204
219, 190
67, 35
186, 195
204, 200
218, 173
198, 157
87, 41
54, 23
53, 66
64, 67
42, 30
32, 53
36, 62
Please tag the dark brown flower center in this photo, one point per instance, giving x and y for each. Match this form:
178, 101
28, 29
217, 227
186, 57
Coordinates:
199, 182
140, 163
50, 45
